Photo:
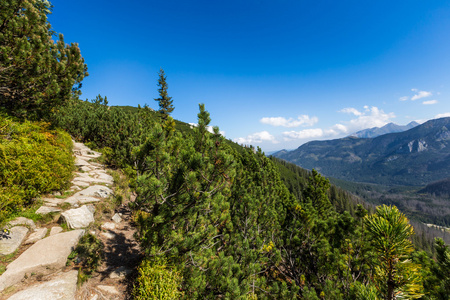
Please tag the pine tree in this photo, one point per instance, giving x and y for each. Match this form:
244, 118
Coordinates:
390, 233
165, 102
37, 75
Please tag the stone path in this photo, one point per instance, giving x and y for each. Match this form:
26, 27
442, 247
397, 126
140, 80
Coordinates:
39, 269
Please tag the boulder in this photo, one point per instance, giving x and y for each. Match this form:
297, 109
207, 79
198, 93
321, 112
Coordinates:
10, 242
78, 217
63, 287
44, 257
36, 236
108, 226
22, 221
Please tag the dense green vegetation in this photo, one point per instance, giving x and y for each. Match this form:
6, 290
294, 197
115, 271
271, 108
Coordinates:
33, 160
214, 220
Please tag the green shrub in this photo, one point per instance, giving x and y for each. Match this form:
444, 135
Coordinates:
33, 160
156, 281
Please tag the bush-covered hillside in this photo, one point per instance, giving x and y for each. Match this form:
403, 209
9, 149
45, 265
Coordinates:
33, 160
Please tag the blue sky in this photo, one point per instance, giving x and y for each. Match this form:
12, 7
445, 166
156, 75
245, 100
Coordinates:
273, 74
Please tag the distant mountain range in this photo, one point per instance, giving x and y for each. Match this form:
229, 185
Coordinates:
418, 156
388, 128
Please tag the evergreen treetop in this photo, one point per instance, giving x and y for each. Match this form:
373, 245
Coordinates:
165, 102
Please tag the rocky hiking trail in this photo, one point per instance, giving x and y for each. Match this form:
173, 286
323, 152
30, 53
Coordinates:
38, 254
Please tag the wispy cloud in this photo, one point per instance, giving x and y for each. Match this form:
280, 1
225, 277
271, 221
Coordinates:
303, 134
429, 102
351, 110
420, 94
255, 138
404, 98
444, 115
370, 117
303, 120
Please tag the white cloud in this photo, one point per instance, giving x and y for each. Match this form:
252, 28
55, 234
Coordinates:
303, 134
209, 128
372, 117
404, 98
303, 120
420, 94
351, 110
257, 137
429, 102
444, 115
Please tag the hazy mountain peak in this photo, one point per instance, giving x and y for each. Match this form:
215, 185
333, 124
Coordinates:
388, 128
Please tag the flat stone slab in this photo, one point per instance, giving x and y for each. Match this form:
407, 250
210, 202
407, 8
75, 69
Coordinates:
95, 191
73, 200
63, 287
78, 217
36, 236
22, 221
43, 210
108, 289
13, 240
43, 257
56, 230
52, 201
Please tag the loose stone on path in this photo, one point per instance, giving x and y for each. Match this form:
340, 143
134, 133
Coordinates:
78, 217
36, 236
13, 240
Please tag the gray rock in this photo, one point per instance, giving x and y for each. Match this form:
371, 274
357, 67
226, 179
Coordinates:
43, 210
63, 287
77, 199
36, 236
22, 221
108, 289
78, 217
52, 201
108, 235
56, 193
75, 188
108, 226
95, 191
116, 218
80, 183
43, 257
85, 169
56, 230
13, 240
80, 162
120, 272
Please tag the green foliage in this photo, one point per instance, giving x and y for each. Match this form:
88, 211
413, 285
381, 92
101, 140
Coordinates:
164, 101
34, 160
36, 73
157, 281
394, 274
88, 254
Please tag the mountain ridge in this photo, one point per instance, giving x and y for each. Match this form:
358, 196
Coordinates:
417, 156
388, 128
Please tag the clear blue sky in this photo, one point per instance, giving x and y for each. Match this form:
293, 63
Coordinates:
274, 74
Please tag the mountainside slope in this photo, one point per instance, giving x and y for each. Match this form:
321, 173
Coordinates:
414, 157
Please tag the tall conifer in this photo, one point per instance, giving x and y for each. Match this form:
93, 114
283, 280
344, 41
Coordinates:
165, 102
